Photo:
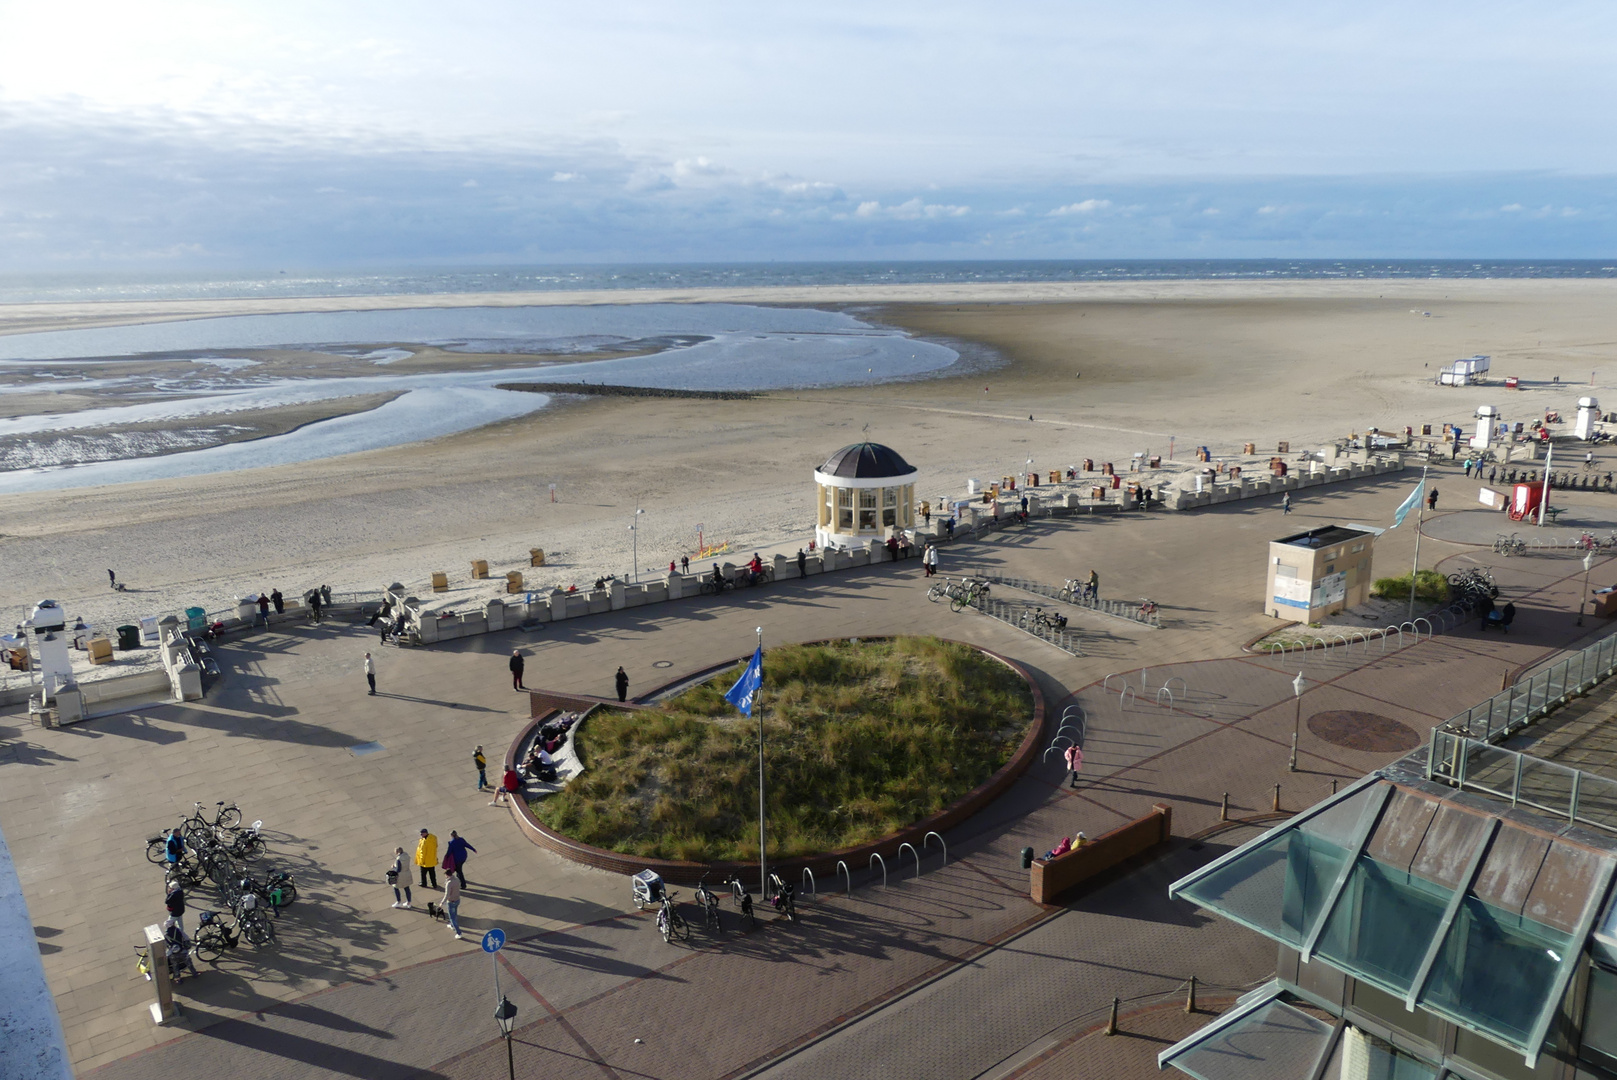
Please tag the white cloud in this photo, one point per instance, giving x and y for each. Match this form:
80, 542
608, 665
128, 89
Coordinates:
1088, 206
469, 183
565, 177
1268, 209
1511, 208
911, 210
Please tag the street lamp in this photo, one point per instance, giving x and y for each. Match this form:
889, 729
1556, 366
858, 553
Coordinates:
505, 1014
1297, 685
634, 539
1588, 561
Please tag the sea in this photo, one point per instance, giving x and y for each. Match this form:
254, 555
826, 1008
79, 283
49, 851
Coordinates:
160, 395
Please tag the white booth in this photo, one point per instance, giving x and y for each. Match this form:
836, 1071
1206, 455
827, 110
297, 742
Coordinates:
1487, 421
1588, 416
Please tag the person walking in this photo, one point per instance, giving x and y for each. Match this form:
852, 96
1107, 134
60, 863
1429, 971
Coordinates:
802, 564
112, 579
1431, 500
1285, 503
455, 856
1075, 761
1468, 468
393, 874
622, 680
370, 673
482, 768
452, 903
516, 670
1493, 471
263, 606
279, 601
426, 858
685, 564
926, 513
948, 527
929, 560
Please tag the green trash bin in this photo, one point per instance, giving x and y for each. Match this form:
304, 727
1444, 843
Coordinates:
195, 618
128, 637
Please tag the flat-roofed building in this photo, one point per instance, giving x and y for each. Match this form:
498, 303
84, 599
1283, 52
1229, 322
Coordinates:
1318, 573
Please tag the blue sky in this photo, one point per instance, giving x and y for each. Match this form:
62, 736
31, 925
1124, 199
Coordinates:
215, 133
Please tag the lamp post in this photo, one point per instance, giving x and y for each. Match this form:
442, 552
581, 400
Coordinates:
505, 1014
634, 541
1297, 685
1588, 562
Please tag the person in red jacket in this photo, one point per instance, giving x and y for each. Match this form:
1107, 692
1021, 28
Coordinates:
508, 787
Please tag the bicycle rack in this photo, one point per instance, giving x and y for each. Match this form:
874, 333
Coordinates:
842, 868
1103, 683
1113, 608
1184, 689
813, 887
875, 857
1128, 691
941, 844
1416, 625
1164, 690
917, 855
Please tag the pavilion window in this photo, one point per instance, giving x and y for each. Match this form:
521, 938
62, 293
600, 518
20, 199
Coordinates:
844, 509
867, 509
889, 512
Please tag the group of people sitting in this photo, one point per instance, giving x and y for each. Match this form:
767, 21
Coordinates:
540, 764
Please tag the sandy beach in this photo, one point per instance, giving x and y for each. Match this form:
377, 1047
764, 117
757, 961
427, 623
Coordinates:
1104, 371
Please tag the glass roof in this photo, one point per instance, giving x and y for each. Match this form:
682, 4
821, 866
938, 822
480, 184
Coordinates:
1474, 917
1262, 1039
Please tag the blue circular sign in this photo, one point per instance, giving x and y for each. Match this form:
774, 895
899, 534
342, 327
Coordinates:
494, 940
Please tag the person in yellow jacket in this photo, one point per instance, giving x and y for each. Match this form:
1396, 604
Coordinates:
426, 859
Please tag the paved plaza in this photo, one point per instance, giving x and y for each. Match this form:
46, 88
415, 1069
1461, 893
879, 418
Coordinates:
873, 985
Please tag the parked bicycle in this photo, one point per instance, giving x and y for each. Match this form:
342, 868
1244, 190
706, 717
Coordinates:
709, 904
1509, 545
1039, 619
782, 896
670, 923
225, 817
177, 947
743, 901
215, 936
1148, 607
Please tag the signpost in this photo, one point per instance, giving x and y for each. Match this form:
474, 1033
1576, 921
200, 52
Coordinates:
505, 1013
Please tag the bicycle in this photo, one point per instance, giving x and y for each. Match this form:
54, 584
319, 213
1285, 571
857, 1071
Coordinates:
783, 897
710, 587
968, 592
1037, 619
670, 923
215, 937
1509, 545
157, 846
225, 817
743, 900
250, 917
1148, 607
709, 905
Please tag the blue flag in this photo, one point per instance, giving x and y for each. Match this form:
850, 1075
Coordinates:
1407, 505
746, 687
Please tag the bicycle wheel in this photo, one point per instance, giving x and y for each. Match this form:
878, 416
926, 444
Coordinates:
157, 850
934, 594
210, 945
956, 603
229, 817
663, 926
1456, 579
252, 848
288, 893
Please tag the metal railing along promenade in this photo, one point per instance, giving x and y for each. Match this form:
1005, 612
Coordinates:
1582, 798
1020, 616
1509, 710
1117, 609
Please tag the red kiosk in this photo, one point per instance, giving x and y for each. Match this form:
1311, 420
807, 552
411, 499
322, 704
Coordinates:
1524, 501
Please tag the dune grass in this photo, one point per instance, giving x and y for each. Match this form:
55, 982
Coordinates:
860, 740
1430, 586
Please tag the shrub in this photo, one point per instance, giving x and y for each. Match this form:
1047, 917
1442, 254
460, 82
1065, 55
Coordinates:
1429, 585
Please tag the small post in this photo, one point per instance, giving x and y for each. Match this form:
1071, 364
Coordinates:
1224, 807
1111, 1025
1333, 785
1277, 797
1504, 681
1190, 998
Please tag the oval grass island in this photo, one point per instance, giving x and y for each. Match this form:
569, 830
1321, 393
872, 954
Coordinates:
868, 744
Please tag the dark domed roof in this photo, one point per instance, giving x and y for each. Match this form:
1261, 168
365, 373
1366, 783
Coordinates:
866, 461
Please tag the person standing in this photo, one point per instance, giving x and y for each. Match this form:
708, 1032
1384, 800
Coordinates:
622, 680
948, 527
370, 673
929, 560
1092, 591
1285, 503
112, 579
516, 670
482, 768
1431, 500
802, 564
452, 903
263, 606
685, 564
1075, 761
926, 513
393, 875
174, 902
279, 601
455, 856
426, 858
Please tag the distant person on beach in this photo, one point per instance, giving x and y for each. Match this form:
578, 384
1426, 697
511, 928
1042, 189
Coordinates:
1431, 500
1285, 503
112, 579
370, 673
622, 681
684, 564
516, 665
279, 601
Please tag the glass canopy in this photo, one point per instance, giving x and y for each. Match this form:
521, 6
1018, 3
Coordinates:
1473, 917
1261, 1038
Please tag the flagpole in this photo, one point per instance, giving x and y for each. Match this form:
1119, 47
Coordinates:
1420, 515
1544, 496
763, 857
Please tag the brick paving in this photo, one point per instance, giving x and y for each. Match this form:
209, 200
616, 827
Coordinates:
363, 990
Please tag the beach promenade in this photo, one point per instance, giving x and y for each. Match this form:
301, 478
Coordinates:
873, 985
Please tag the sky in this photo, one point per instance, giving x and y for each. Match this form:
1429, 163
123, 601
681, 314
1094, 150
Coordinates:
194, 134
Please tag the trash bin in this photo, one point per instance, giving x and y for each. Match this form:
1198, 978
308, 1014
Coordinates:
195, 618
128, 637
